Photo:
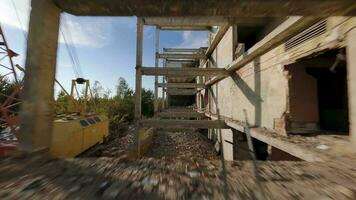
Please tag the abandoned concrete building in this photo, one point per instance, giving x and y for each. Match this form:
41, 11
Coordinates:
280, 79
276, 83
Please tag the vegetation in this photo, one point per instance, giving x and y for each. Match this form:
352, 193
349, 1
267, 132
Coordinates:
119, 107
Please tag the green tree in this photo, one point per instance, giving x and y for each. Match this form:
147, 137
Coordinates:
122, 89
147, 102
62, 102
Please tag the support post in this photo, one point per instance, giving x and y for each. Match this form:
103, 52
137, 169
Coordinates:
156, 66
37, 105
138, 91
351, 80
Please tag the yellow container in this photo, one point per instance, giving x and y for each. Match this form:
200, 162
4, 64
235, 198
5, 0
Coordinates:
72, 135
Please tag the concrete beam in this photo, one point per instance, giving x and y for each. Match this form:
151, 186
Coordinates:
173, 71
216, 40
181, 85
181, 92
170, 61
299, 150
351, 82
37, 98
241, 8
285, 31
194, 21
185, 124
181, 56
186, 28
181, 50
171, 114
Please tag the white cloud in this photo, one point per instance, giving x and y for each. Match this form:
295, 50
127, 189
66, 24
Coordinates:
8, 13
193, 39
86, 32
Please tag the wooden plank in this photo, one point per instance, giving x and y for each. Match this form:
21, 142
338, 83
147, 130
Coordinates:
174, 71
181, 56
181, 85
240, 8
192, 124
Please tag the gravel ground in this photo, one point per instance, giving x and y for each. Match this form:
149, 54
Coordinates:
117, 145
37, 177
180, 165
181, 145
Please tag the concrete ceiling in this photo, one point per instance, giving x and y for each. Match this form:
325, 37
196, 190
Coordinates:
235, 8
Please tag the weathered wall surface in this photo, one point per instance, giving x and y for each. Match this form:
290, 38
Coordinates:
262, 87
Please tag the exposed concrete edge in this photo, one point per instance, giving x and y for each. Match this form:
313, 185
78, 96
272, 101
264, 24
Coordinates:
274, 139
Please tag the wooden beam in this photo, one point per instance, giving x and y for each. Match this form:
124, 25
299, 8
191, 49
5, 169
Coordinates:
181, 56
240, 8
189, 124
181, 85
37, 97
174, 71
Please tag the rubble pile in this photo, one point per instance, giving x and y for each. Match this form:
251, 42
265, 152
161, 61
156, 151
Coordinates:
116, 146
190, 145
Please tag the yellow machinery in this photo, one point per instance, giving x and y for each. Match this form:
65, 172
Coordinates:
75, 133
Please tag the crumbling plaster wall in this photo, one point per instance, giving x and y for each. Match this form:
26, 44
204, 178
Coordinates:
261, 87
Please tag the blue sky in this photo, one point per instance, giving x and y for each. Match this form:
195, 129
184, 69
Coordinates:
106, 46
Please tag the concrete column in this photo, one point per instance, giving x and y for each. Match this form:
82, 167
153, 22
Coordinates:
156, 65
227, 143
351, 80
139, 52
37, 107
138, 90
